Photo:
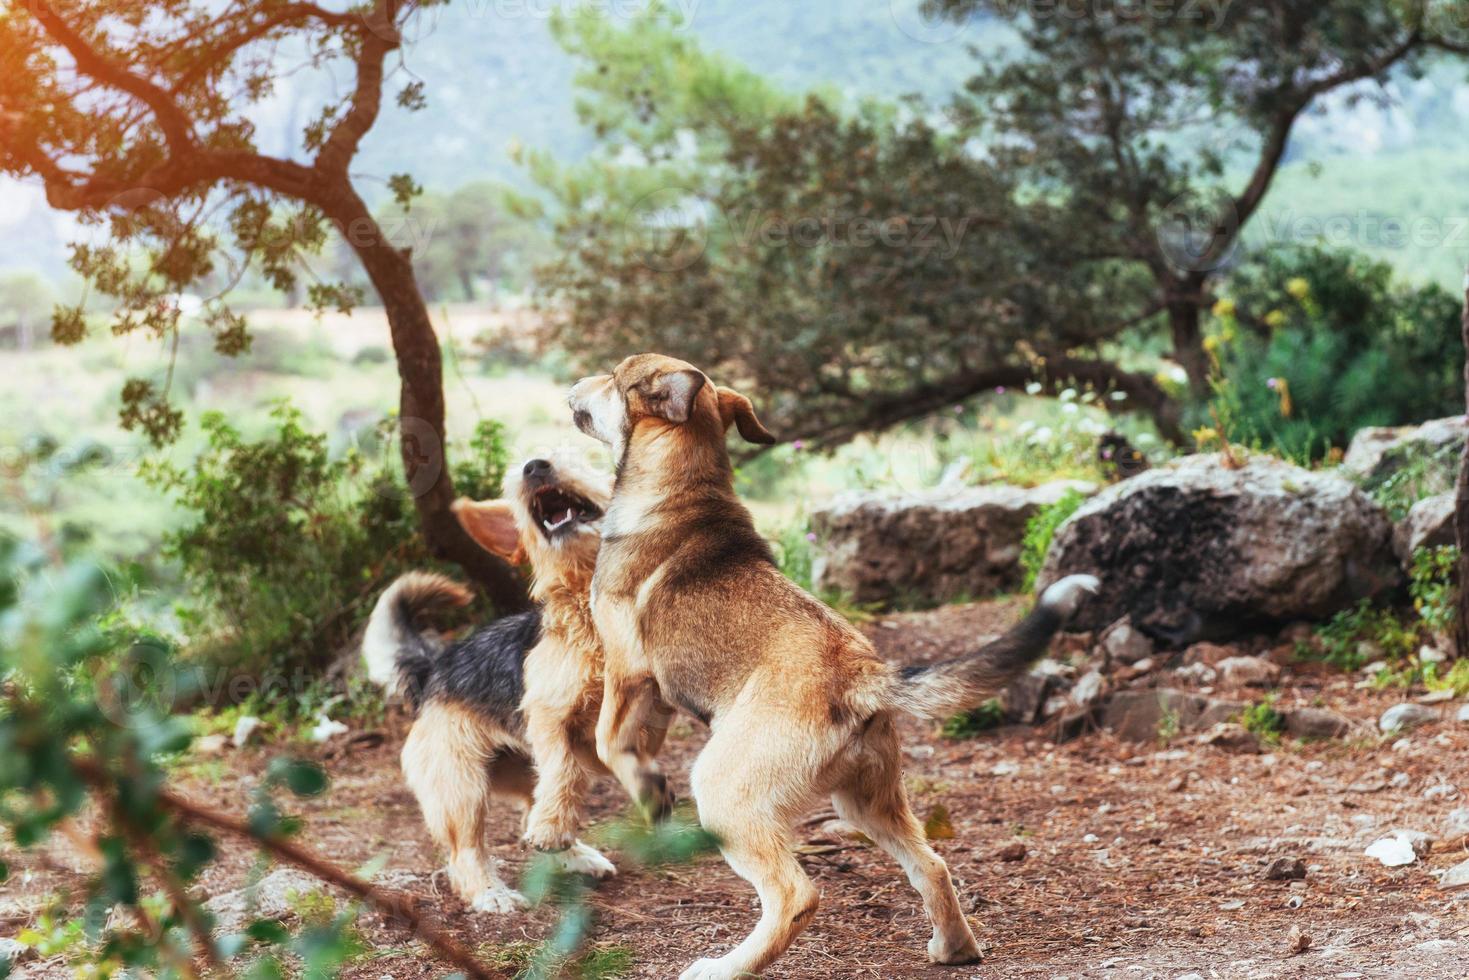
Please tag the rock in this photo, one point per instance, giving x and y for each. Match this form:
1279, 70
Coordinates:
326, 729
1200, 674
1011, 852
1376, 453
1429, 524
1296, 941
1463, 715
1286, 869
934, 545
1316, 723
13, 951
1230, 735
1208, 654
1124, 644
1248, 672
1141, 715
245, 726
1025, 696
1393, 852
271, 898
1087, 689
1456, 824
211, 744
1407, 716
1195, 550
1456, 877
1430, 654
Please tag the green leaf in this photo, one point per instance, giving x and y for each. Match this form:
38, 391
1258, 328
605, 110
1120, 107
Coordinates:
299, 776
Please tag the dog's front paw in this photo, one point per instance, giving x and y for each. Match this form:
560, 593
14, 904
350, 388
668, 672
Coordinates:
954, 951
656, 798
501, 901
710, 969
583, 859
546, 839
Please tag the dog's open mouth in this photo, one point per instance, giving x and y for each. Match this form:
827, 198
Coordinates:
558, 510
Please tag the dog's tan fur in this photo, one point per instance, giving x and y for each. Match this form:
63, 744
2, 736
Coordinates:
452, 747
691, 606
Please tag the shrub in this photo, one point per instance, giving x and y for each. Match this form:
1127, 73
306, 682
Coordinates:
1039, 531
1312, 344
1432, 587
1354, 637
290, 546
1262, 720
970, 724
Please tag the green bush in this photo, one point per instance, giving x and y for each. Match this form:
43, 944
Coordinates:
1433, 587
970, 724
1313, 344
1262, 720
290, 546
1039, 531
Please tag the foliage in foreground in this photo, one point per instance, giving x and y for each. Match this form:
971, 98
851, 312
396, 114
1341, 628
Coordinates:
1313, 344
73, 731
290, 546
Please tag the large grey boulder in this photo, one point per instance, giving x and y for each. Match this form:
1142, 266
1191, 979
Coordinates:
1429, 524
1433, 448
1196, 550
929, 546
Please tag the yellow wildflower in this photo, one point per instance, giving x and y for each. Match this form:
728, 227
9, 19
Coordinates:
1298, 287
1275, 319
1205, 436
1224, 307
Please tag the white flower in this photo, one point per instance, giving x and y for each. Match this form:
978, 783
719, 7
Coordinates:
1071, 408
1118, 396
1034, 388
1069, 395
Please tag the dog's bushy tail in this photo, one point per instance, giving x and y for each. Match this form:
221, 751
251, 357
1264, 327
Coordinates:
398, 651
962, 684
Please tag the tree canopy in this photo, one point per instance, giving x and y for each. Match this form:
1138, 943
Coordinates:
865, 264
138, 118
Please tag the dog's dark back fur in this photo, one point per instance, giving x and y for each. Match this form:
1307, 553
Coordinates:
486, 669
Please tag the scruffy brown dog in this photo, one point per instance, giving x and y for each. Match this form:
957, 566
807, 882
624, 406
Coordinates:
510, 710
691, 608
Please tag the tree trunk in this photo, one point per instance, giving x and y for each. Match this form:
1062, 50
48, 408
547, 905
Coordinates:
1188, 344
421, 401
1461, 508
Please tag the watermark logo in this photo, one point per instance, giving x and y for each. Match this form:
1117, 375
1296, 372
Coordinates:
1199, 231
668, 229
926, 22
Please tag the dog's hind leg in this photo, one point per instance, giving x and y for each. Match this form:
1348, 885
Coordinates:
746, 798
447, 761
873, 800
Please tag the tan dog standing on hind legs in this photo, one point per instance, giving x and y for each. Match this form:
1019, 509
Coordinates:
510, 710
691, 609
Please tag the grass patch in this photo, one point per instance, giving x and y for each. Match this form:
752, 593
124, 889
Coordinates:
1263, 721
971, 724
1039, 531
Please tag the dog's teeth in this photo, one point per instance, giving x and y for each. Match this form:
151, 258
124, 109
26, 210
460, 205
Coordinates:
561, 522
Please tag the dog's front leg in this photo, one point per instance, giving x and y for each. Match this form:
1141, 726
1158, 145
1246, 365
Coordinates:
628, 702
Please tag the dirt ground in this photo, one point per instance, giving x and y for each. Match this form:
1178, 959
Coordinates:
1141, 860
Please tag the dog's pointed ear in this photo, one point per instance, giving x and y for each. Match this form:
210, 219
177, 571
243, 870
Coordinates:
736, 408
491, 523
671, 396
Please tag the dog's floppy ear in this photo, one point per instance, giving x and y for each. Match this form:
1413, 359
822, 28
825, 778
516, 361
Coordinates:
671, 396
492, 525
735, 407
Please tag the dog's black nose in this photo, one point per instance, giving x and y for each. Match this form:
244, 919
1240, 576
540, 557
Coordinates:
538, 467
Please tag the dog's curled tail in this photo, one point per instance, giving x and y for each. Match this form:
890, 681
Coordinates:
962, 684
397, 650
